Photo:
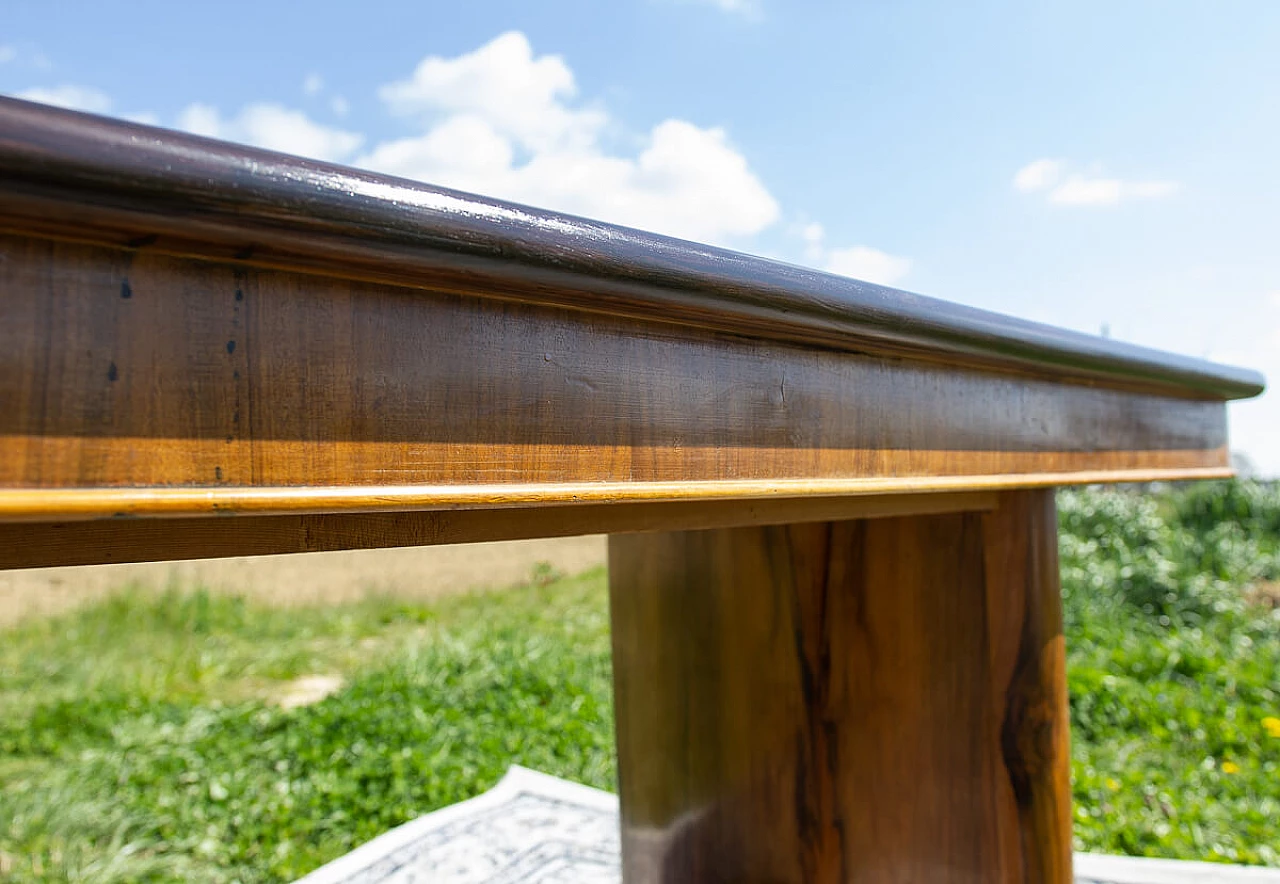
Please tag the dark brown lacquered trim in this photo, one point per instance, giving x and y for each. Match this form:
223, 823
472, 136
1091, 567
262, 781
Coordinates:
79, 175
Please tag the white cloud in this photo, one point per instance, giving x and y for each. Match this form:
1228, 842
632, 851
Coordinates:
339, 105
868, 264
1081, 189
813, 235
85, 98
857, 262
146, 118
313, 84
1037, 175
201, 119
82, 98
520, 96
502, 122
505, 122
274, 128
7, 54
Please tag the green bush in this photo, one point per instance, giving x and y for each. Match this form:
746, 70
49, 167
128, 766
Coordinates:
1182, 555
1253, 506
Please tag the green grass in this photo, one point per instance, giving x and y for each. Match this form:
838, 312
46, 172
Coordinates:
139, 740
1171, 673
138, 745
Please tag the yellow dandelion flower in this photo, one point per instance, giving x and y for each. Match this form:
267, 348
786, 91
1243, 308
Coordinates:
1230, 767
1271, 725
1112, 784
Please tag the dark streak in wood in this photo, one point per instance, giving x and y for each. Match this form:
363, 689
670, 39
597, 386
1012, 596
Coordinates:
141, 242
831, 703
330, 383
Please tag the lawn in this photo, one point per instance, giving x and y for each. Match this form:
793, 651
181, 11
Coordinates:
141, 738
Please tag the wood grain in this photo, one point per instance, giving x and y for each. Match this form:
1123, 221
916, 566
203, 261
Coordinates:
141, 384
37, 544
1024, 620
867, 700
74, 176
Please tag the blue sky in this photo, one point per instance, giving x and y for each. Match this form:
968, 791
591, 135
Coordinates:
1086, 164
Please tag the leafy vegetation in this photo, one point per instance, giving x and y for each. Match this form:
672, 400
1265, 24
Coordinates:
141, 738
1174, 670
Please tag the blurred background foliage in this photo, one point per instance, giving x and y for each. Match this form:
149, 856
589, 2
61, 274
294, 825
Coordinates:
1173, 636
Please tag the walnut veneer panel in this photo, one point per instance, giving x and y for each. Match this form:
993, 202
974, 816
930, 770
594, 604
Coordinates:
872, 701
188, 386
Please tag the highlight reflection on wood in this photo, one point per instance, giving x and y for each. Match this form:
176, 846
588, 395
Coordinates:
240, 385
873, 700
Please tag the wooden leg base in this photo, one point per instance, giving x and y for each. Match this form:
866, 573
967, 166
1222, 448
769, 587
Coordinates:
877, 700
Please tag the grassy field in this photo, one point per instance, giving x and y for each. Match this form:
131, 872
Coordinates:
141, 738
1173, 664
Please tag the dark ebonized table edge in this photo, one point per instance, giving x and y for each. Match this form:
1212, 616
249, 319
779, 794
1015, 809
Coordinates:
151, 188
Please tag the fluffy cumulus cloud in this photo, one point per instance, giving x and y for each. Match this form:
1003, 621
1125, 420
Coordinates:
1081, 190
866, 263
81, 98
523, 97
858, 262
273, 127
505, 122
84, 98
1037, 175
1064, 187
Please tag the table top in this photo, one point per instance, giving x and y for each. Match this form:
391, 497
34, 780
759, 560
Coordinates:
198, 195
191, 328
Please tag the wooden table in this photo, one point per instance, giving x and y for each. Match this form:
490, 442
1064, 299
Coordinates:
838, 643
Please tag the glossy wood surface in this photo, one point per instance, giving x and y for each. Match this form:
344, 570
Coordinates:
109, 541
873, 700
140, 384
72, 175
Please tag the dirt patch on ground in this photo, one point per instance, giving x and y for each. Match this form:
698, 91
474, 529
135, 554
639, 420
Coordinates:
313, 578
307, 690
1266, 594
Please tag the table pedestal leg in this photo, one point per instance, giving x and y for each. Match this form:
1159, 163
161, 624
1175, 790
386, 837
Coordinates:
879, 700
